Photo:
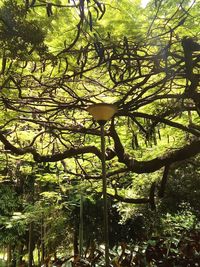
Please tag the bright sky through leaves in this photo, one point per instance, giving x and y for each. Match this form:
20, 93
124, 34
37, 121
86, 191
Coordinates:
144, 3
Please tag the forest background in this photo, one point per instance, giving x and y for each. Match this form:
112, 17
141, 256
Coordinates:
59, 57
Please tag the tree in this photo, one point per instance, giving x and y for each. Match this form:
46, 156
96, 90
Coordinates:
153, 80
57, 59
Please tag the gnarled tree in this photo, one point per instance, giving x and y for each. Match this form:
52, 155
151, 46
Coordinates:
53, 67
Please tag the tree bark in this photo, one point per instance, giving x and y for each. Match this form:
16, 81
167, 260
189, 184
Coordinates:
75, 241
30, 246
9, 255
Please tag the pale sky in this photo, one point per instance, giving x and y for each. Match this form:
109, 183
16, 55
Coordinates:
144, 3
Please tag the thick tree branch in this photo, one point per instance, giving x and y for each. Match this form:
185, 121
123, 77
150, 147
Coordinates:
49, 158
183, 153
155, 164
67, 154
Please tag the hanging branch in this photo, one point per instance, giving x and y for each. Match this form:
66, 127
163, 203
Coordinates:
189, 150
152, 196
190, 46
163, 182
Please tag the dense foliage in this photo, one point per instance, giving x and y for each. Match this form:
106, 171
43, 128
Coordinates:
59, 57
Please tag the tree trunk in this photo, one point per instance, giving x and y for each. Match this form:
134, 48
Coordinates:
76, 236
4, 253
81, 227
43, 252
9, 255
39, 253
30, 246
20, 253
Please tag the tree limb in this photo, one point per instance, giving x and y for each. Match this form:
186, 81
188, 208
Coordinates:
155, 164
